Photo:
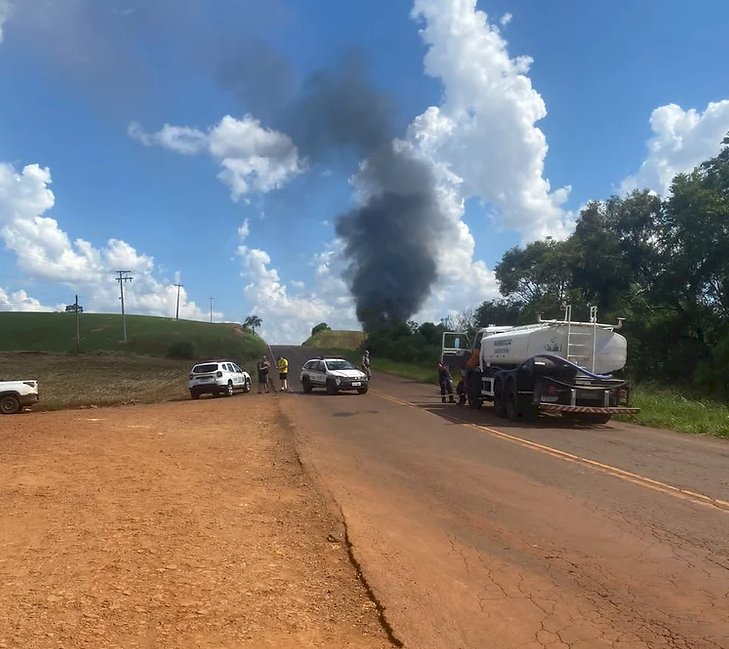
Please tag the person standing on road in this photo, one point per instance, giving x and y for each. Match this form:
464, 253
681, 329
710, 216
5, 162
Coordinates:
446, 383
366, 364
263, 368
283, 373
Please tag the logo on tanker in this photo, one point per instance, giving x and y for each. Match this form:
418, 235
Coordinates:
502, 345
553, 345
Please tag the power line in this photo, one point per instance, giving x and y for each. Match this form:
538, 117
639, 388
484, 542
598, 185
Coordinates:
177, 310
123, 276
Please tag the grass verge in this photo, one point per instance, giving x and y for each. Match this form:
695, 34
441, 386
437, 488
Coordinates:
666, 408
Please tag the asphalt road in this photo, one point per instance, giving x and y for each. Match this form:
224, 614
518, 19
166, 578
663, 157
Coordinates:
474, 532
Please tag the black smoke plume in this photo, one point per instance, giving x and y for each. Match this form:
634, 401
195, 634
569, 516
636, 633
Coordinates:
391, 239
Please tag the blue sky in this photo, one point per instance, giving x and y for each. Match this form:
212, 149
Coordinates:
616, 95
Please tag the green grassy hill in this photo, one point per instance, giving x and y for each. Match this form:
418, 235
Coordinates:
146, 335
332, 339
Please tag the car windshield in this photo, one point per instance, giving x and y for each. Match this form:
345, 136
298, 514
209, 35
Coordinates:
340, 365
206, 367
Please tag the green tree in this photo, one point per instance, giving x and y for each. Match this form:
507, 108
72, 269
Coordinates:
252, 322
322, 326
539, 276
498, 312
432, 333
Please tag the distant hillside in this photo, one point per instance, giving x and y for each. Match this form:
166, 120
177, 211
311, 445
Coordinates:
336, 340
102, 332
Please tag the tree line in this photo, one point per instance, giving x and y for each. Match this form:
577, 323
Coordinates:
660, 263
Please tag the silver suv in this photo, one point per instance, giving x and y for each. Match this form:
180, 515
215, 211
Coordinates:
334, 374
218, 377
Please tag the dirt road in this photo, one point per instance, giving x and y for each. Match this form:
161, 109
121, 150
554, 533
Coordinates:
476, 532
181, 525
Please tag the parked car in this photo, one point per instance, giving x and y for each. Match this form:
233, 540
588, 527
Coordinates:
16, 395
334, 374
218, 377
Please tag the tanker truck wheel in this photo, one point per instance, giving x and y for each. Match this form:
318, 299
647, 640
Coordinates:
511, 405
474, 388
499, 406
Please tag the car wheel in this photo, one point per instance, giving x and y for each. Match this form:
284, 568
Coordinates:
331, 387
306, 384
362, 390
9, 404
194, 395
247, 386
229, 389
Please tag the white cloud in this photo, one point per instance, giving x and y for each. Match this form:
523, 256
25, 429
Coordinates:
252, 158
288, 317
505, 19
45, 251
484, 130
5, 9
463, 282
21, 301
244, 230
181, 139
681, 140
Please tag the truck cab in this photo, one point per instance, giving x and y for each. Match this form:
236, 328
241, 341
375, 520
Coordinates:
457, 348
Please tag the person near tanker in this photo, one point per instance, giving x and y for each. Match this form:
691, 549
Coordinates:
446, 383
283, 372
263, 369
366, 364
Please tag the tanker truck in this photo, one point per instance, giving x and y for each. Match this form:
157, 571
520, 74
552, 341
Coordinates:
554, 366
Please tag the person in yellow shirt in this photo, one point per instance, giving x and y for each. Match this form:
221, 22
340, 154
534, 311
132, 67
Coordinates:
283, 373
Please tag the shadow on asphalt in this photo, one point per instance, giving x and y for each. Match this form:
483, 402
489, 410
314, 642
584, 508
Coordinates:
485, 416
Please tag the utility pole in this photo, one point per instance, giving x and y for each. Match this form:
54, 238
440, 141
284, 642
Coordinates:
123, 276
78, 330
177, 310
211, 308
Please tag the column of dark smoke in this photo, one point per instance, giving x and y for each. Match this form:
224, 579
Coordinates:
391, 239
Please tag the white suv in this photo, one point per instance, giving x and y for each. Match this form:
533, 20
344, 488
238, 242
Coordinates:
16, 395
333, 374
218, 377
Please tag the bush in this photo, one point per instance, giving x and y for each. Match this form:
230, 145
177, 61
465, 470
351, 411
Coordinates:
322, 326
181, 349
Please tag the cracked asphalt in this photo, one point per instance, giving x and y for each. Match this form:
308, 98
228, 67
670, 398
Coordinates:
475, 532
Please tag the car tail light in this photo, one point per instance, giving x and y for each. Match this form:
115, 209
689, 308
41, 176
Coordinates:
218, 374
552, 390
30, 383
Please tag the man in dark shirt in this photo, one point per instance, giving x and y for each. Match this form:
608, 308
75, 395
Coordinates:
263, 368
446, 383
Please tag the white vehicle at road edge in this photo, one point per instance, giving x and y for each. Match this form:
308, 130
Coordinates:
217, 377
16, 395
334, 374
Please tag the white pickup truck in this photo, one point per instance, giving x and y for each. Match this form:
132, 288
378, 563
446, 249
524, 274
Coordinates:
16, 395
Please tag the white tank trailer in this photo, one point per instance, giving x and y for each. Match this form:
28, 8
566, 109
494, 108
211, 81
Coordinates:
553, 366
597, 348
